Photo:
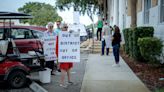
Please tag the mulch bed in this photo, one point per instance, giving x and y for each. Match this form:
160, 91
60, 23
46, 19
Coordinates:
148, 73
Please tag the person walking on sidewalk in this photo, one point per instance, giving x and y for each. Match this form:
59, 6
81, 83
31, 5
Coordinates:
106, 39
116, 45
99, 28
64, 67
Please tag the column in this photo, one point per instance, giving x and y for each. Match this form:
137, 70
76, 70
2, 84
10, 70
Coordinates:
115, 17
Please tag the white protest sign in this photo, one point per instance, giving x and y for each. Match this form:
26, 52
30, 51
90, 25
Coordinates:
49, 47
76, 17
69, 47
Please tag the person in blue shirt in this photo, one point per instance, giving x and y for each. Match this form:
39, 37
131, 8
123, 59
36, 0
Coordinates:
58, 29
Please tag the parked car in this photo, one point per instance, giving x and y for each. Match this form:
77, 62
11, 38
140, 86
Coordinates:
15, 42
25, 37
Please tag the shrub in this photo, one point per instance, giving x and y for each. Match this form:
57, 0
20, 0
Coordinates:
150, 48
126, 47
140, 32
130, 42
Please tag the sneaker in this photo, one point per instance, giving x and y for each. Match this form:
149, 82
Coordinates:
64, 86
57, 73
118, 65
52, 73
115, 65
59, 70
70, 83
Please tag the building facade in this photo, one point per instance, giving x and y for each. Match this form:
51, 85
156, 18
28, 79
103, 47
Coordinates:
149, 13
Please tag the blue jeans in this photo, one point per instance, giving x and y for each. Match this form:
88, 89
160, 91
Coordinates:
103, 48
116, 52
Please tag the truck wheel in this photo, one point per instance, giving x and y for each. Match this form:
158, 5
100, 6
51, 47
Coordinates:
17, 79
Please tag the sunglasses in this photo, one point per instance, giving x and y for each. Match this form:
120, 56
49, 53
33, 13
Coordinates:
51, 26
65, 27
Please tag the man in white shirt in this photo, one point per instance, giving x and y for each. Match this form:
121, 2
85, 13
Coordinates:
106, 39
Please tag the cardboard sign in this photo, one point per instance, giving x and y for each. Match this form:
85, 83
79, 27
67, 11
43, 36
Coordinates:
69, 47
49, 47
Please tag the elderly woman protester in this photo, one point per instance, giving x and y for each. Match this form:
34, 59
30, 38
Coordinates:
64, 66
50, 32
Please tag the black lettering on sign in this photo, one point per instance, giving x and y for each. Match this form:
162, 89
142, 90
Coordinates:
63, 50
74, 50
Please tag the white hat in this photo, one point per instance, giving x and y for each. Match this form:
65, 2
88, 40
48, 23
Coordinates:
50, 24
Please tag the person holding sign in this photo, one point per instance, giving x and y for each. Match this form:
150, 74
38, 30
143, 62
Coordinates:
64, 66
49, 47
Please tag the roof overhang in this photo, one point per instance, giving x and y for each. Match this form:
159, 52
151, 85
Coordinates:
12, 15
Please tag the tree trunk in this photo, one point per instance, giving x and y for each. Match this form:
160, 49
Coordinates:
133, 13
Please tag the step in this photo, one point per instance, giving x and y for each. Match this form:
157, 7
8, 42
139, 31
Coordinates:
99, 50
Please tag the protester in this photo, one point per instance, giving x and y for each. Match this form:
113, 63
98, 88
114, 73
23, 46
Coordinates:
106, 40
58, 29
50, 32
116, 45
64, 67
99, 28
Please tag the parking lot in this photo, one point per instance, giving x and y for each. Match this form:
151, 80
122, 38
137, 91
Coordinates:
77, 74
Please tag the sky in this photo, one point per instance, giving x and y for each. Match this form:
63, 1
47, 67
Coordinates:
13, 5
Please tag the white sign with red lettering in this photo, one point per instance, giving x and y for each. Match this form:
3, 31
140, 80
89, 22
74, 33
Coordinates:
69, 47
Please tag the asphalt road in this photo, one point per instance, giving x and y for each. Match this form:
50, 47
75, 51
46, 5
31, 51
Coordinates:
77, 74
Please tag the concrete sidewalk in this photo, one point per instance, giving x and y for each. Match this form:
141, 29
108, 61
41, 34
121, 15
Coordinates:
100, 76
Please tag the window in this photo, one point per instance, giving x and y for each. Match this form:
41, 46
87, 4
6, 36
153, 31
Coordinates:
162, 11
37, 34
1, 34
21, 34
147, 6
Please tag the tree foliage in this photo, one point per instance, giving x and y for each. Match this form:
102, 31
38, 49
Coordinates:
83, 6
41, 12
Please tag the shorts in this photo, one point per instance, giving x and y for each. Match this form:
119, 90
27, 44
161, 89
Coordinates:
66, 66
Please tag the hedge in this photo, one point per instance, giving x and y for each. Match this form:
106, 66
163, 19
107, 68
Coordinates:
130, 39
125, 33
131, 36
150, 48
140, 32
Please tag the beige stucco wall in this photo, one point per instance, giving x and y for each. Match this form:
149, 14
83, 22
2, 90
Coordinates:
139, 5
128, 8
154, 3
